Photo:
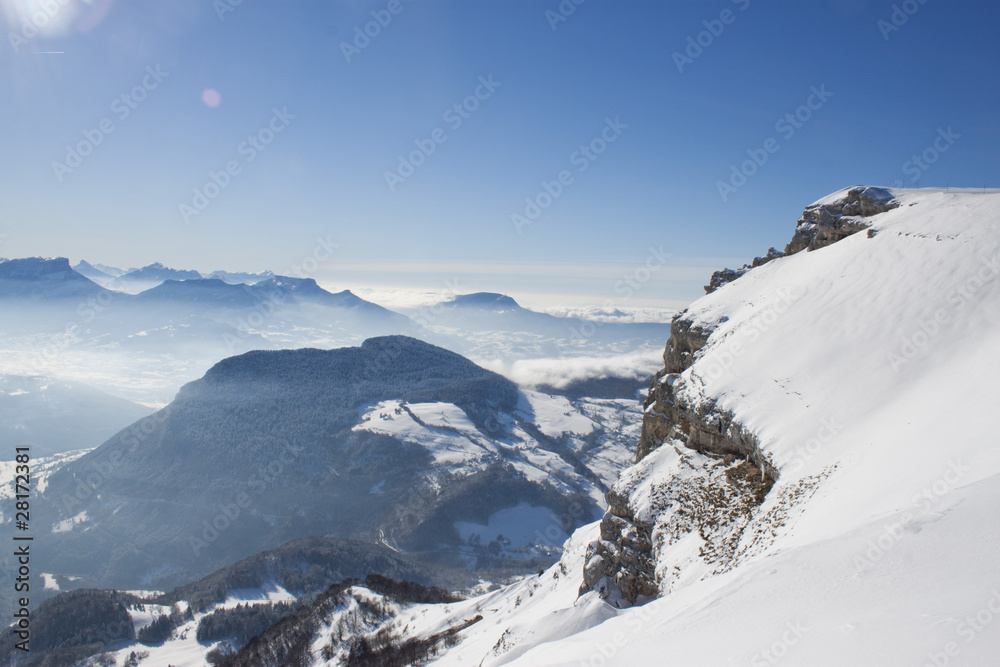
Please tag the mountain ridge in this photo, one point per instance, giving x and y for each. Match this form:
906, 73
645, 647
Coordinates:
395, 440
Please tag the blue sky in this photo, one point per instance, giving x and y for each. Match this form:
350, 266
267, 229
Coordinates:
888, 92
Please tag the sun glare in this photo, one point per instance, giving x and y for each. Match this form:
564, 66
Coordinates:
42, 18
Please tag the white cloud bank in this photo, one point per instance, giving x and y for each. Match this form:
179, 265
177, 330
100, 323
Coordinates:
559, 373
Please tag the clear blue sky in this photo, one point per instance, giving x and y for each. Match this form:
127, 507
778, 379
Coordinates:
324, 173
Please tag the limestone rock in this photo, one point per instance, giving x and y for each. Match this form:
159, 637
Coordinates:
823, 224
819, 226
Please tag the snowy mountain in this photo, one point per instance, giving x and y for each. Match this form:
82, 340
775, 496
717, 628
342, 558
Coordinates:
112, 271
280, 305
305, 290
492, 326
88, 270
133, 280
145, 336
240, 276
225, 609
157, 273
487, 311
211, 293
396, 441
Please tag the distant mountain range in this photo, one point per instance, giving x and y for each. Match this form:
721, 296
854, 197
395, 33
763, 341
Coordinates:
132, 280
178, 326
55, 314
495, 324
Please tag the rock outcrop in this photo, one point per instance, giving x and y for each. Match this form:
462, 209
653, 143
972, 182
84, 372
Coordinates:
718, 474
826, 223
727, 476
720, 278
820, 225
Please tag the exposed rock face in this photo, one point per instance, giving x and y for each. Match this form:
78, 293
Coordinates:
720, 278
726, 478
823, 224
686, 339
819, 226
623, 555
659, 524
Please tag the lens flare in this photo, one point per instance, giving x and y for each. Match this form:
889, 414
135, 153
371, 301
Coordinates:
211, 97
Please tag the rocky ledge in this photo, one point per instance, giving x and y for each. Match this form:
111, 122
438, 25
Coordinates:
657, 525
821, 224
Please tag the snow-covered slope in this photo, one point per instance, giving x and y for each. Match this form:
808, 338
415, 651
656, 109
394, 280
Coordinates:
864, 373
593, 433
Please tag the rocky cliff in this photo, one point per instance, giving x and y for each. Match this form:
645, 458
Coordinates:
823, 223
719, 473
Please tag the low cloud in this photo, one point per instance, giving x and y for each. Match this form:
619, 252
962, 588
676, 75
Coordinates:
561, 372
618, 315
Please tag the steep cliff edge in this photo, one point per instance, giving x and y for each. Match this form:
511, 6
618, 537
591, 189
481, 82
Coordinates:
719, 474
827, 221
